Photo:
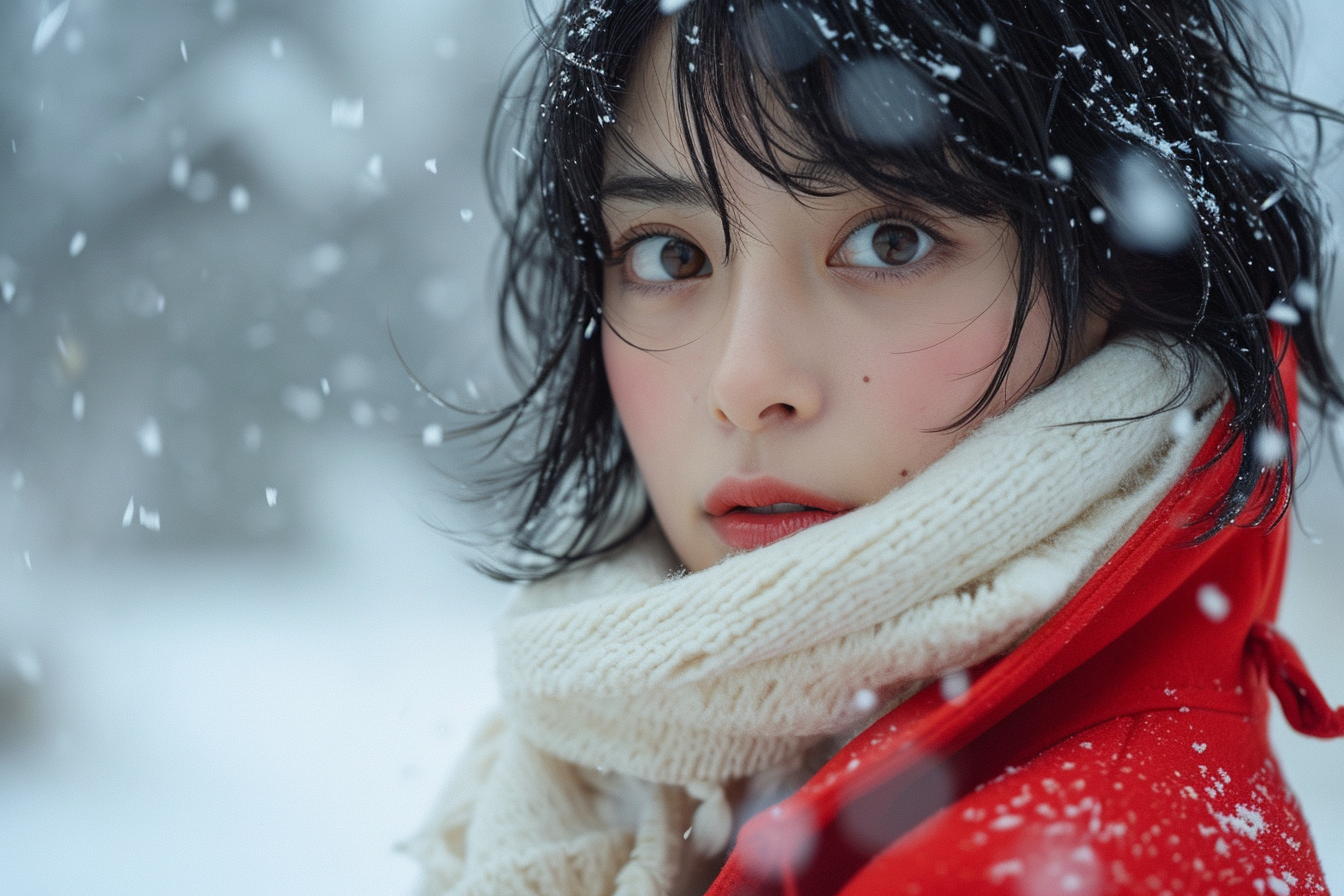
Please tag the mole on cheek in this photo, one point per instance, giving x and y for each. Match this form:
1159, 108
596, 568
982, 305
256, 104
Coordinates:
865, 379
905, 473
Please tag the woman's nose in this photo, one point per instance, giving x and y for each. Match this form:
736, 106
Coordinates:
766, 372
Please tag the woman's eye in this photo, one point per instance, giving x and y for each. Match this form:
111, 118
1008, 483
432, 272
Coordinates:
884, 244
662, 259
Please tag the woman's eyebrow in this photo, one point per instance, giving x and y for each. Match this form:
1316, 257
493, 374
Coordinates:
659, 190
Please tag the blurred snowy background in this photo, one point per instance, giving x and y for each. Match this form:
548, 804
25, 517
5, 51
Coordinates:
234, 657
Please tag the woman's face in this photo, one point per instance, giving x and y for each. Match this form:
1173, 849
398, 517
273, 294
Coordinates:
814, 367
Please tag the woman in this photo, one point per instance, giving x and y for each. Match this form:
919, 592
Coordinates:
921, 377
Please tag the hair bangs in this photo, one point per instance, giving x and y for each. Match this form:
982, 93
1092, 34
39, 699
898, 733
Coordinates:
776, 86
1070, 122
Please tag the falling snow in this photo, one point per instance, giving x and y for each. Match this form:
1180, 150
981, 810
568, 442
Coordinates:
954, 684
362, 413
886, 104
28, 666
1272, 199
347, 113
1270, 446
149, 518
50, 24
303, 402
1182, 422
1061, 167
179, 173
1282, 312
150, 438
1304, 295
1213, 603
1149, 212
239, 199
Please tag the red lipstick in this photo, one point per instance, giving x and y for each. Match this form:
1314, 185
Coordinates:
751, 513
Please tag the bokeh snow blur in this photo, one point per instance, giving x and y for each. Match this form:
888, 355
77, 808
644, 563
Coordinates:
235, 655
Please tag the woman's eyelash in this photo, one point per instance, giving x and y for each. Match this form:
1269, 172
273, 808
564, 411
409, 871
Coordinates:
620, 249
897, 216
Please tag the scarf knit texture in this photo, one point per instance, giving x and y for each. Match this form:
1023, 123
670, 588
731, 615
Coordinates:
633, 695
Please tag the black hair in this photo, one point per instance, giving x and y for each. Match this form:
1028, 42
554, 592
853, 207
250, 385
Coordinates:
1024, 110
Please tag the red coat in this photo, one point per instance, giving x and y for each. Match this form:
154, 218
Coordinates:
1122, 748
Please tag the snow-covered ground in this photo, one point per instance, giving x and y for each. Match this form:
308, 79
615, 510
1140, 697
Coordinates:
246, 724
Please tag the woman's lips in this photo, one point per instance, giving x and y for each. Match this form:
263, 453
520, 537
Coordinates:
752, 513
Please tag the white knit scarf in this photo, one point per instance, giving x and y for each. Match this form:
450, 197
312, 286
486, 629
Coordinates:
631, 695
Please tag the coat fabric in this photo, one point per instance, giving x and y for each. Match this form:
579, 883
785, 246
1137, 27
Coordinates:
1122, 748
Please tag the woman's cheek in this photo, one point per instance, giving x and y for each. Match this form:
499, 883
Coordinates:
922, 391
641, 392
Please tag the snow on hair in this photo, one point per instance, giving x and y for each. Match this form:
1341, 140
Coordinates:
1126, 143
